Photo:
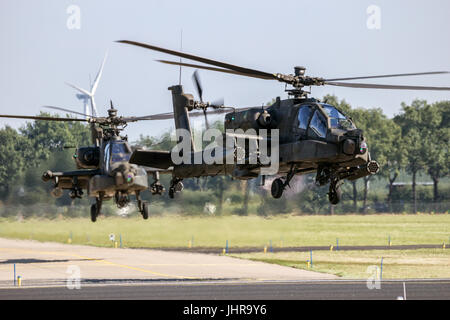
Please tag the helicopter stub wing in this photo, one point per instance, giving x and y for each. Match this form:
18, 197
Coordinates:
69, 174
152, 158
66, 180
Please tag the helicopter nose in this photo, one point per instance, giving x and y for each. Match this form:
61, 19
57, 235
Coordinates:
123, 177
118, 178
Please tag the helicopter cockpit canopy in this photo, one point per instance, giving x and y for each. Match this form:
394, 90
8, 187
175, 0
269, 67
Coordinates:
120, 151
337, 119
116, 151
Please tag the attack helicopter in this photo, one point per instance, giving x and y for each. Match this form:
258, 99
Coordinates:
103, 168
313, 136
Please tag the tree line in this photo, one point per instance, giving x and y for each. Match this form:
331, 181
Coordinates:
416, 141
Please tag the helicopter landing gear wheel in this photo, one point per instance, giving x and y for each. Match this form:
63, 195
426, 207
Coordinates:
335, 192
277, 188
95, 209
94, 212
144, 211
278, 185
142, 206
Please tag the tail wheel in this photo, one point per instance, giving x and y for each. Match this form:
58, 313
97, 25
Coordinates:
277, 188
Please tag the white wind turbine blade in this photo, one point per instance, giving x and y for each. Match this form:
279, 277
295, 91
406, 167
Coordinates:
90, 95
99, 75
79, 89
85, 100
95, 85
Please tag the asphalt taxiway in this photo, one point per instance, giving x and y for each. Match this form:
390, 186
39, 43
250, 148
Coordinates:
241, 290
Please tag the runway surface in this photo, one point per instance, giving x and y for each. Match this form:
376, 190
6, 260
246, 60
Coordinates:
59, 271
243, 290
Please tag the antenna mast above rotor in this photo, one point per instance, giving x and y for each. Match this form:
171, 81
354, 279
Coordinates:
181, 49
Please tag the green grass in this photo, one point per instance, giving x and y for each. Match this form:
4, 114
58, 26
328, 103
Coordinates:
422, 263
173, 231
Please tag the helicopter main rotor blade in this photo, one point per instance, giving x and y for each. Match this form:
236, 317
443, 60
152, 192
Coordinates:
197, 66
205, 113
43, 118
389, 75
384, 86
244, 71
298, 80
169, 115
67, 110
218, 110
159, 116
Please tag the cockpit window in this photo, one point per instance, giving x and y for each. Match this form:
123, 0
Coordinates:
106, 156
119, 151
318, 124
337, 119
303, 117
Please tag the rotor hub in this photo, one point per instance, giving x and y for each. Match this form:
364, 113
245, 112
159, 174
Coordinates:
112, 113
299, 71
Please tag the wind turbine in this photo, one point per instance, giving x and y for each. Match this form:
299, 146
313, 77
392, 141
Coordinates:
88, 96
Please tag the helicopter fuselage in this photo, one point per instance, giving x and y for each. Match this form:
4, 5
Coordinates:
103, 171
310, 137
117, 174
311, 134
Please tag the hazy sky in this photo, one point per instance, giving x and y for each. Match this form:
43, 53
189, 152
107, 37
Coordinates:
331, 38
